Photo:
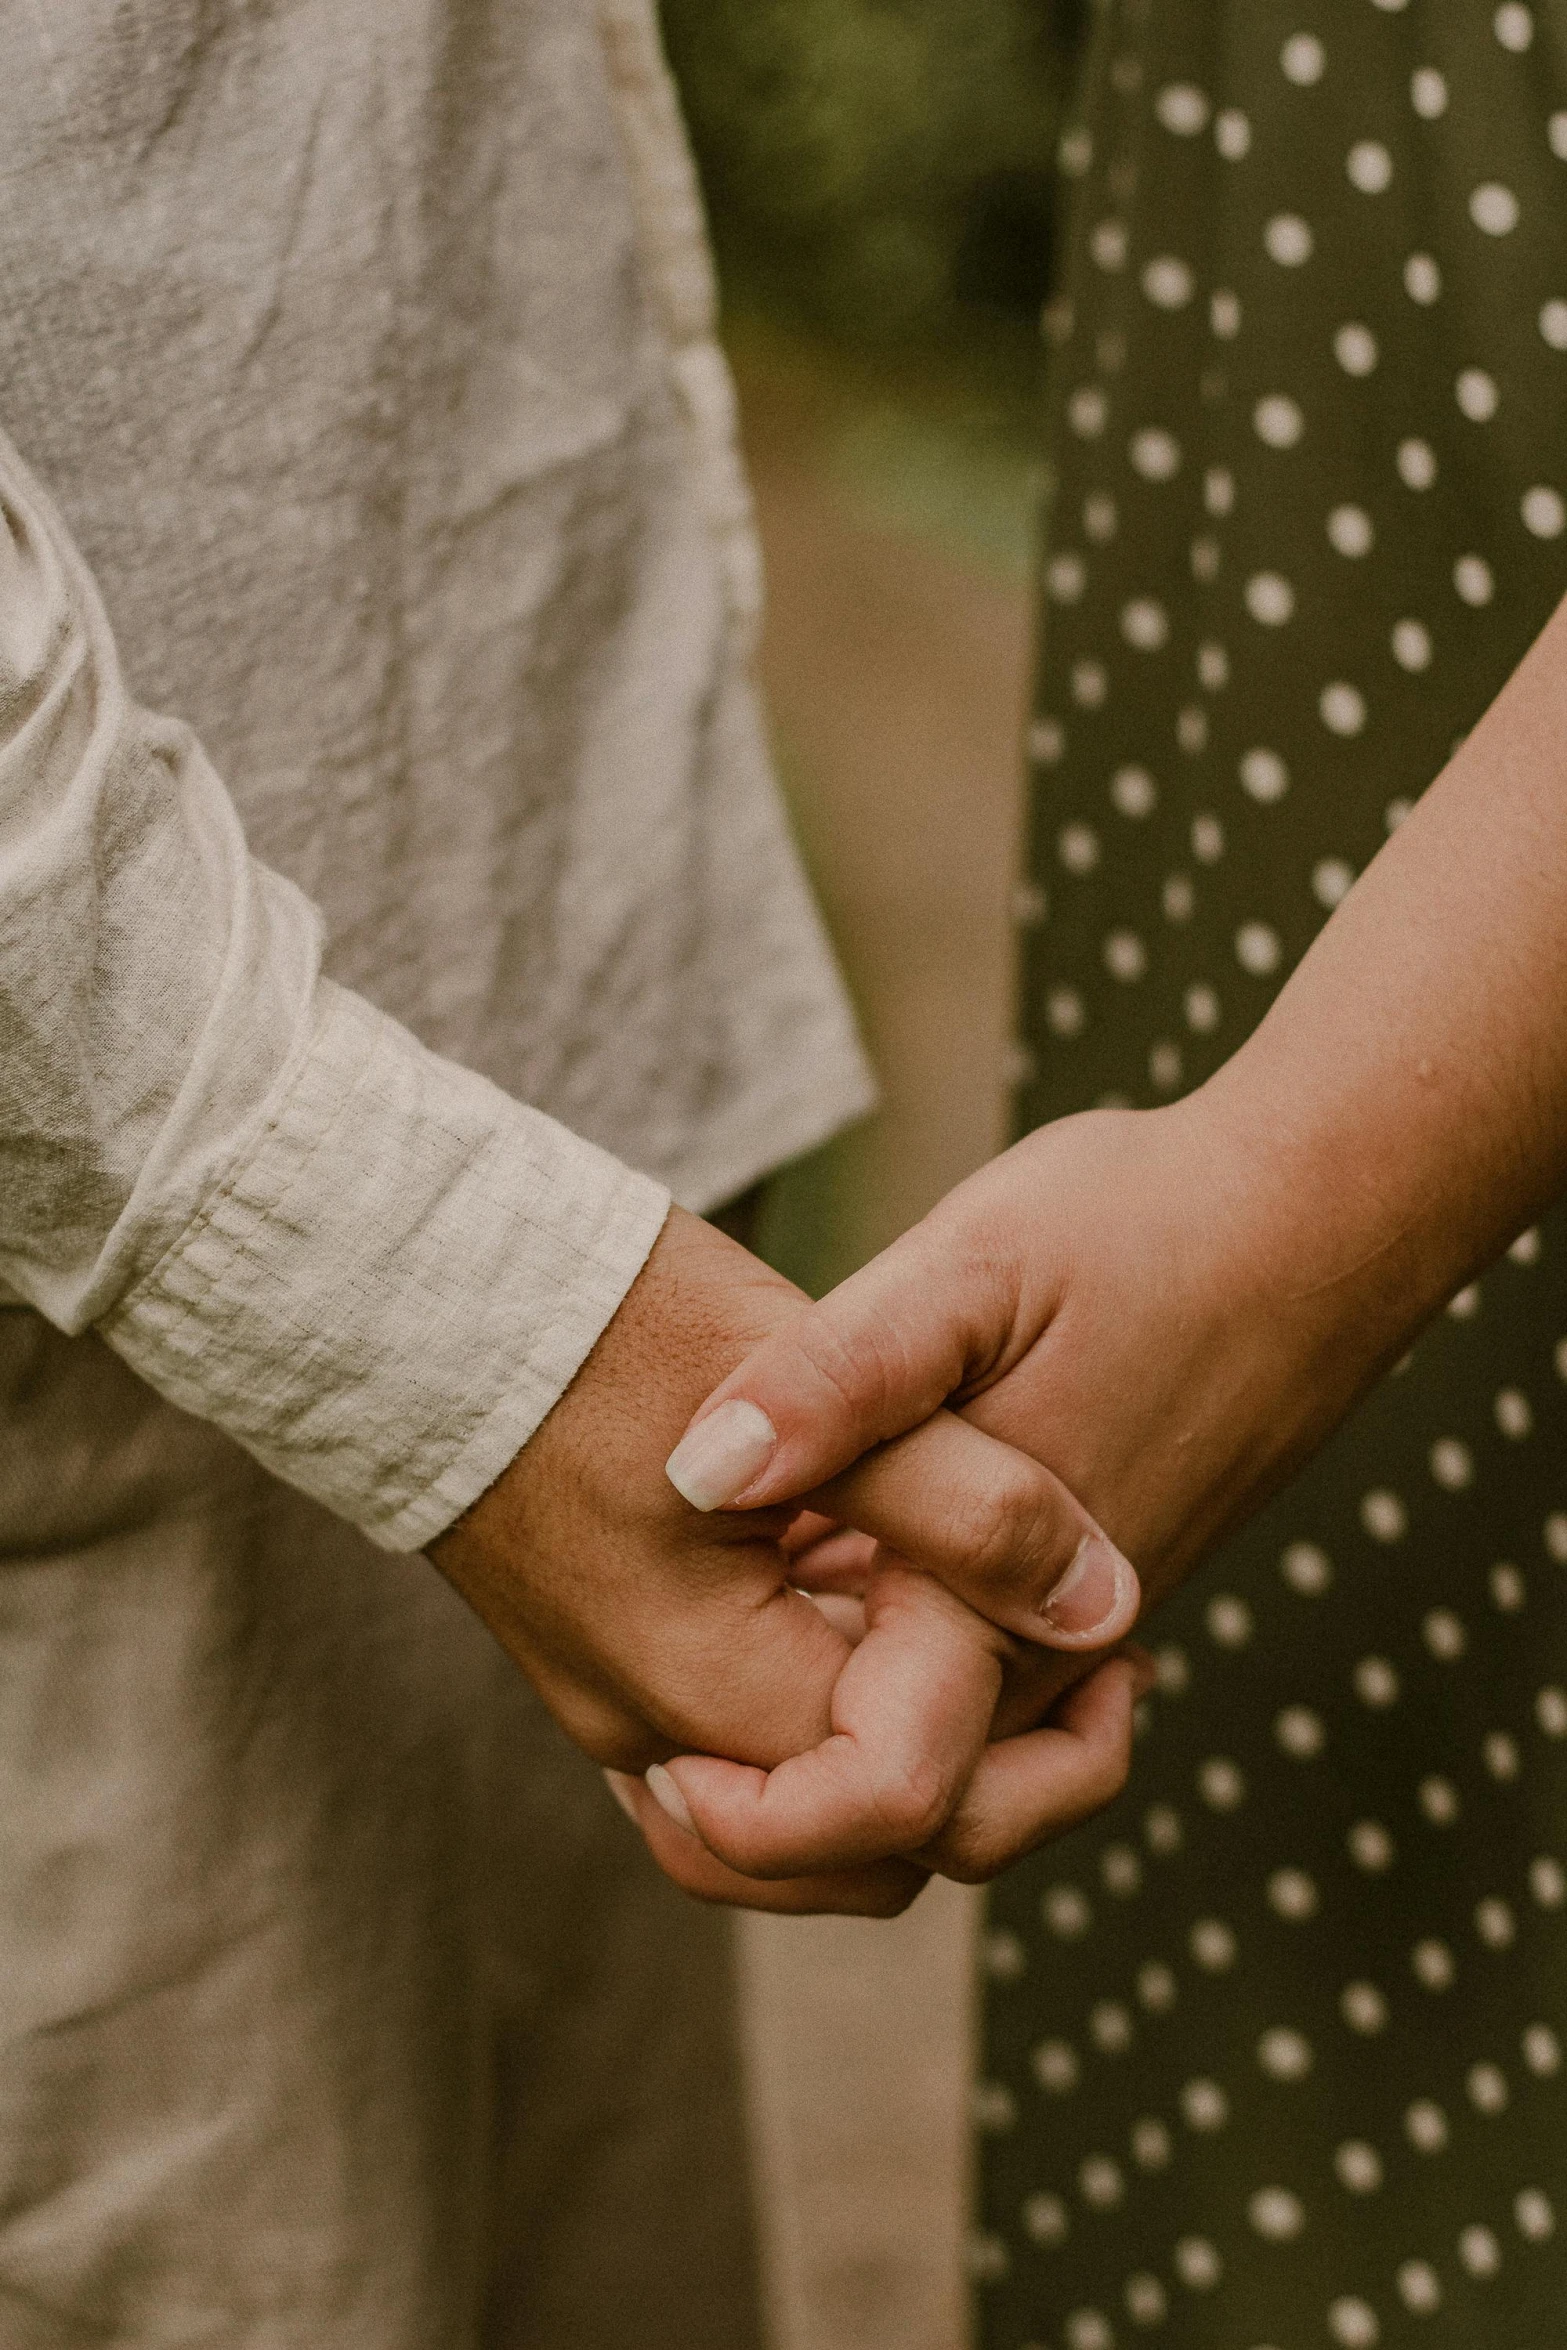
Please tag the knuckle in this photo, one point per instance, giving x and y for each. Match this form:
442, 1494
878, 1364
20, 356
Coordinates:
998, 1530
912, 1800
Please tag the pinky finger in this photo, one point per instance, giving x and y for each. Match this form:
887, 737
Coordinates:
1031, 1788
883, 1889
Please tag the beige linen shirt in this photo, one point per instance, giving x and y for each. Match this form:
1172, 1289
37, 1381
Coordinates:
395, 901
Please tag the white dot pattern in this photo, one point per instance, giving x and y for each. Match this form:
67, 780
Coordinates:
1280, 2037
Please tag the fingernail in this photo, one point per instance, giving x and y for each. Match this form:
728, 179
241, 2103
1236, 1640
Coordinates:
721, 1455
668, 1797
619, 1786
1094, 1589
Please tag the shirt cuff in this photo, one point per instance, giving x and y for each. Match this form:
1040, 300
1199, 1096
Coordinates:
393, 1284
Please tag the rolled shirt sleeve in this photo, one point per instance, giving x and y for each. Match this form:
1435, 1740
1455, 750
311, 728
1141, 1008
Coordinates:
370, 1266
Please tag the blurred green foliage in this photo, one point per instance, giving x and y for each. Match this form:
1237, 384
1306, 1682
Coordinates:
878, 169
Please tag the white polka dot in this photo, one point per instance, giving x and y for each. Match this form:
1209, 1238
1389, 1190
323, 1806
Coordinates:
1224, 315
1370, 1847
1300, 1732
1183, 109
1439, 1801
1303, 59
1270, 599
1151, 2146
1147, 2303
1110, 2026
1155, 453
1276, 2214
1435, 1968
1487, 2087
1525, 1250
1553, 325
1428, 93
1065, 1012
1353, 2324
1343, 709
993, 2107
1046, 741
1202, 1009
1278, 421
1232, 135
1066, 1912
1108, 244
1179, 898
1422, 279
988, 2261
1221, 1784
1204, 2105
1452, 1464
1213, 1945
1078, 848
1550, 1711
1542, 2051
1480, 2252
1287, 240
1359, 2166
1162, 1829
1005, 1958
1264, 775
1066, 576
1164, 1066
1087, 412
1425, 2126
1089, 2329
1466, 1304
1412, 645
1507, 1588
1473, 579
1495, 1923
1376, 1683
1045, 2219
1075, 152
1533, 2213
1121, 1870
1089, 684
1419, 2287
1477, 395
1500, 1755
1156, 1987
1293, 1894
1514, 26
1384, 1516
1029, 905
1133, 791
1494, 208
1207, 839
1544, 513
1145, 624
1126, 957
1548, 1882
1445, 1635
1100, 2183
1099, 517
1055, 2067
1168, 282
1416, 464
1363, 2008
1350, 532
1197, 2263
1306, 1569
1258, 949
1369, 167
1355, 348
1205, 559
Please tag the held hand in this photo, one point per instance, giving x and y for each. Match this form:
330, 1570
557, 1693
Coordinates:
651, 1630
1119, 1296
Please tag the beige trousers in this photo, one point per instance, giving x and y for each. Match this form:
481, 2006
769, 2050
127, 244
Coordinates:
339, 2008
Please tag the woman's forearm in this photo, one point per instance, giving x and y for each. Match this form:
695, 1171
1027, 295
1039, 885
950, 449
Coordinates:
1404, 1103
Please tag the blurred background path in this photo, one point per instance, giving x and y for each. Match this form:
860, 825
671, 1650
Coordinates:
895, 523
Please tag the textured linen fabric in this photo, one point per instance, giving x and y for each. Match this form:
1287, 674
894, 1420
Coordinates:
339, 2007
367, 354
1275, 2047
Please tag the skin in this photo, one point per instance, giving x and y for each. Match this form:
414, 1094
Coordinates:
1174, 1308
912, 1725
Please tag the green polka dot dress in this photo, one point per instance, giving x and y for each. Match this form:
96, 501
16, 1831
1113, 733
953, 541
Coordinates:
1274, 2048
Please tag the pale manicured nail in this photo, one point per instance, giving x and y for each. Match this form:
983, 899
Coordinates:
668, 1797
1095, 1589
721, 1455
620, 1787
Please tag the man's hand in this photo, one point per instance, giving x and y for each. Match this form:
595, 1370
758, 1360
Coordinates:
653, 1631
